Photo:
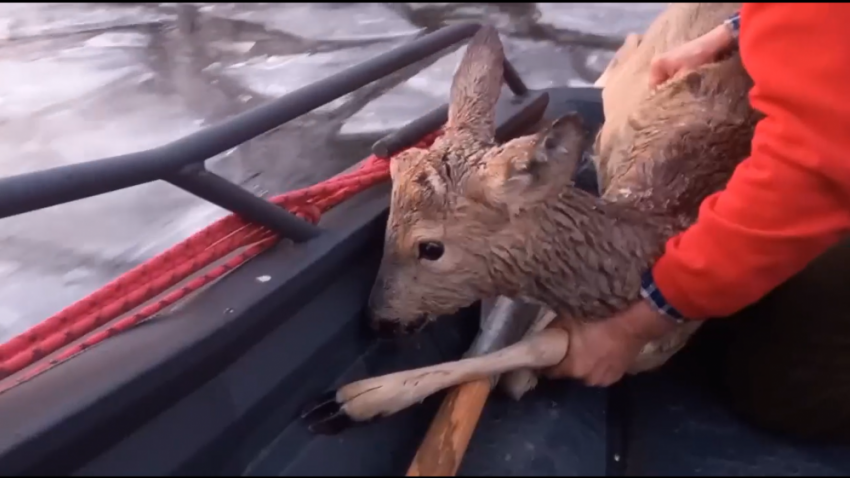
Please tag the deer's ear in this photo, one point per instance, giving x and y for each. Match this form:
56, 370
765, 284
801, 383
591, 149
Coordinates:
531, 168
476, 86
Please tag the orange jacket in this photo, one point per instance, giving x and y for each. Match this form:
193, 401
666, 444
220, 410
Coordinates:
790, 200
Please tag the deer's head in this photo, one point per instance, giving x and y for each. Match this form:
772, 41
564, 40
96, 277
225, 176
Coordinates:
459, 204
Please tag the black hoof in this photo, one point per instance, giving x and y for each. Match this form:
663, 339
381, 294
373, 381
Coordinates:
325, 416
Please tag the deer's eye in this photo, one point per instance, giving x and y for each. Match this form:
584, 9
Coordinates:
430, 250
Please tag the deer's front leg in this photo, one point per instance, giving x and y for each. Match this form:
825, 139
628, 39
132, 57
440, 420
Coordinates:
519, 382
364, 400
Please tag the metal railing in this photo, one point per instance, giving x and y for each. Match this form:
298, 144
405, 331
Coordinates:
181, 162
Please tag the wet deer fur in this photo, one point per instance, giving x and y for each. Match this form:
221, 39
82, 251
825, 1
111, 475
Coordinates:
510, 220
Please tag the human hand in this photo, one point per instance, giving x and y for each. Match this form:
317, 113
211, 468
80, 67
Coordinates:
689, 56
601, 352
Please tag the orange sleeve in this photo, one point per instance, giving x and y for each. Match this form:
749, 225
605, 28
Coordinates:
790, 200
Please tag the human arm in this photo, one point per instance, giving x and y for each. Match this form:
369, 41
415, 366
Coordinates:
784, 206
790, 200
695, 53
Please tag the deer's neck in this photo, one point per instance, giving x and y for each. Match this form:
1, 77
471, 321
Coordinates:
580, 255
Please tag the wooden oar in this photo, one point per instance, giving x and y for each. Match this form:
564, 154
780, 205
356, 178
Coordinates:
446, 441
494, 352
444, 446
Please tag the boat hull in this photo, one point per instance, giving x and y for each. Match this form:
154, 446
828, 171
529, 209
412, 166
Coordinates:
215, 387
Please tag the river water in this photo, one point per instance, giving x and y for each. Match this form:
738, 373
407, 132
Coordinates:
84, 81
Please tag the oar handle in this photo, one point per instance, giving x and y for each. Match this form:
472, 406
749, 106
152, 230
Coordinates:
445, 443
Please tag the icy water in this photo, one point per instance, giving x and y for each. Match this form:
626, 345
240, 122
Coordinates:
84, 81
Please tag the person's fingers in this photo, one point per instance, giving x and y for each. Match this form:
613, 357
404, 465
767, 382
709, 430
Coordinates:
569, 367
659, 71
598, 376
576, 364
592, 373
560, 370
605, 376
611, 377
593, 380
567, 364
563, 368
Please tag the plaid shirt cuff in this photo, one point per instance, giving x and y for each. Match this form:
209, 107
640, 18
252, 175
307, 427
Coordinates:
650, 292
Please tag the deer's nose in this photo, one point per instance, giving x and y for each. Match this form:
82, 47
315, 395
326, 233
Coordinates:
385, 329
382, 327
391, 328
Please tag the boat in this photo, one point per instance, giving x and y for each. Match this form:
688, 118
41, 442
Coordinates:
200, 362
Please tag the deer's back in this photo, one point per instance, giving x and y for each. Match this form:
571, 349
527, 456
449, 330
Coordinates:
671, 147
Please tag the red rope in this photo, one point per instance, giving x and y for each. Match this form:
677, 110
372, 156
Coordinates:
156, 276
